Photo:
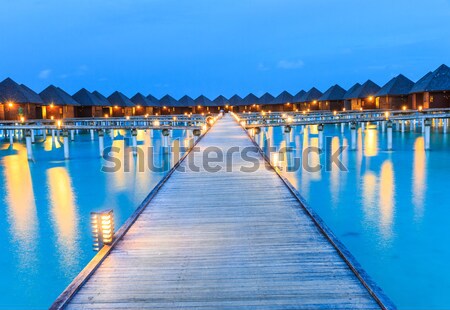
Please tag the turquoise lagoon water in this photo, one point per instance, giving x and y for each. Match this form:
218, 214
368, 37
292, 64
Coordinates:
391, 209
45, 236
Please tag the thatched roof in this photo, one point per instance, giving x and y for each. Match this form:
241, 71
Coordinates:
235, 100
367, 89
220, 101
104, 101
334, 93
250, 99
186, 101
311, 95
57, 96
86, 98
141, 100
351, 90
11, 91
169, 101
282, 98
32, 94
438, 80
266, 98
203, 101
298, 96
153, 100
397, 86
119, 99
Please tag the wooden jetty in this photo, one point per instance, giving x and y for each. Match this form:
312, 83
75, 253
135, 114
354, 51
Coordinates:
223, 240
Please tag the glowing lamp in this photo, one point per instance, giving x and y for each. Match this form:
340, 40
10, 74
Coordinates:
22, 119
386, 114
52, 117
102, 228
371, 98
315, 101
106, 115
199, 106
334, 112
10, 104
420, 108
404, 108
59, 124
116, 107
156, 123
138, 106
289, 120
174, 118
127, 117
51, 105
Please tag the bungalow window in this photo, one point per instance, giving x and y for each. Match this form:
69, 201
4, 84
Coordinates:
431, 98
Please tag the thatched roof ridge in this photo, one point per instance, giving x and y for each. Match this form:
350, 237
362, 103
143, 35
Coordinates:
57, 96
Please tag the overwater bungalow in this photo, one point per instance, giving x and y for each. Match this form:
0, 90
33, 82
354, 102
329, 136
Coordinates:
143, 105
282, 102
170, 105
433, 90
395, 94
363, 97
203, 105
122, 105
332, 99
310, 99
187, 104
296, 100
106, 105
222, 103
347, 100
155, 104
265, 101
57, 103
250, 103
18, 102
235, 102
90, 105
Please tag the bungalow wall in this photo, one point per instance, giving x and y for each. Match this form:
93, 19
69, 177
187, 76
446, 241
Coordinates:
333, 105
15, 111
89, 111
433, 100
394, 102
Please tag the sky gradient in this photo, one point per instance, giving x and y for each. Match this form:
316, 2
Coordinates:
210, 47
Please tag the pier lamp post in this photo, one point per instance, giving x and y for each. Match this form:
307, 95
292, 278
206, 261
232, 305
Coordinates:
102, 228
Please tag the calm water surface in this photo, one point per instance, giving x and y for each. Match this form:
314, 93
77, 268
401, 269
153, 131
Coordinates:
391, 209
45, 207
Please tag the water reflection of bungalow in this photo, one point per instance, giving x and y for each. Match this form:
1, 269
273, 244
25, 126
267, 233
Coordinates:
235, 102
265, 102
187, 104
122, 105
395, 94
282, 102
332, 99
106, 106
250, 103
363, 97
143, 105
203, 104
169, 105
309, 100
433, 90
222, 103
57, 103
90, 105
347, 100
16, 101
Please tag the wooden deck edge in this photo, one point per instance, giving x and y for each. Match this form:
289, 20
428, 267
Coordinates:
76, 284
374, 290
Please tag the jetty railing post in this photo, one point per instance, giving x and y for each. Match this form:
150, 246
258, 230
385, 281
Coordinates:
165, 143
353, 135
101, 135
427, 123
134, 141
389, 135
66, 144
28, 144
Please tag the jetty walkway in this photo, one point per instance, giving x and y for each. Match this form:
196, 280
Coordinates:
222, 240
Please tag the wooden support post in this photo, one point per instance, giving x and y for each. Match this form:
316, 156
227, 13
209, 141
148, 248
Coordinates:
32, 136
403, 126
427, 123
101, 144
444, 125
45, 134
92, 134
363, 126
320, 130
134, 141
389, 135
342, 127
353, 135
28, 143
72, 135
383, 126
66, 144
11, 137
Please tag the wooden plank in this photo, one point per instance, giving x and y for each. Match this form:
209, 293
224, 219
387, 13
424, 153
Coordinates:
223, 240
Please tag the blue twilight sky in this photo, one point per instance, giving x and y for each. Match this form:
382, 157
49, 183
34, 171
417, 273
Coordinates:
219, 47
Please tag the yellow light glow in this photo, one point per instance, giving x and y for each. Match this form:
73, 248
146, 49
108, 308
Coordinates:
138, 106
199, 106
22, 119
164, 107
116, 107
404, 108
127, 117
343, 109
371, 98
361, 109
106, 115
386, 114
334, 112
174, 118
315, 101
146, 115
226, 106
59, 124
51, 105
420, 108
156, 123
307, 110
52, 117
289, 120
288, 103
10, 104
